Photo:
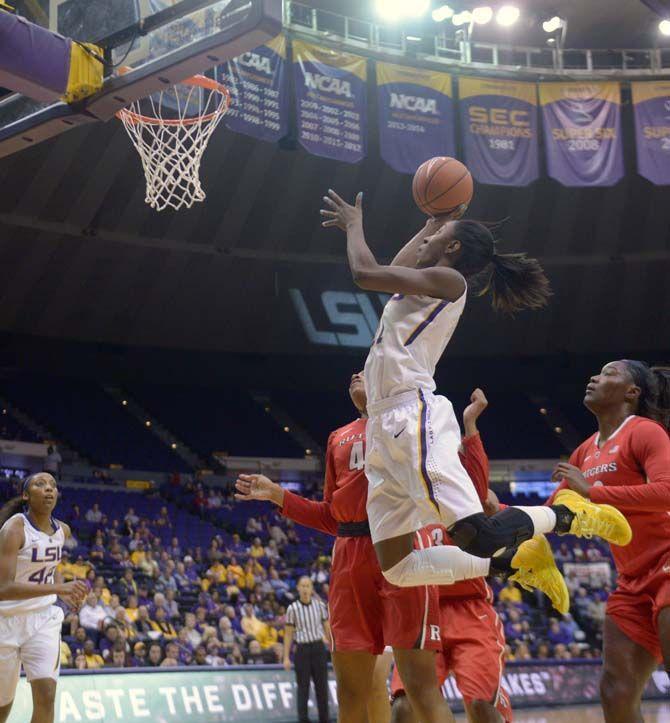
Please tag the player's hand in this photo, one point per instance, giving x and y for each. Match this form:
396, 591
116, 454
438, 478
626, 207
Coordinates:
258, 487
73, 593
478, 403
436, 222
573, 477
340, 213
287, 665
492, 504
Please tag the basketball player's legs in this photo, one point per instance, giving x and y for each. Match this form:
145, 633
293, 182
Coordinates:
44, 697
354, 672
417, 670
627, 666
379, 708
10, 664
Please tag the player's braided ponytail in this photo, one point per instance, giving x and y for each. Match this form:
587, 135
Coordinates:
654, 384
515, 281
15, 505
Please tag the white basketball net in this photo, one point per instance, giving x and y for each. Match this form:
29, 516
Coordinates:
171, 132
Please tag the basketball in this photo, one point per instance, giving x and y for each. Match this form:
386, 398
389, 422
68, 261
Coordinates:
441, 184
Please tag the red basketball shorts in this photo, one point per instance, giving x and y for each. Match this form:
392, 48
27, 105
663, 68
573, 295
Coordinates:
635, 604
473, 646
367, 613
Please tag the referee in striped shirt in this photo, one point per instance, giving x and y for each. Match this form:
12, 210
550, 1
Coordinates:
307, 621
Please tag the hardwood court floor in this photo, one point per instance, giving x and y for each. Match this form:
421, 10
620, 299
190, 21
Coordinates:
653, 713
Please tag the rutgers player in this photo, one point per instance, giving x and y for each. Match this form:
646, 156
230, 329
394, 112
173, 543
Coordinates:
31, 543
366, 611
413, 469
473, 639
627, 464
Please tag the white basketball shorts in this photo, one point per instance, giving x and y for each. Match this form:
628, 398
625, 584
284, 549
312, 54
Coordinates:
31, 639
415, 476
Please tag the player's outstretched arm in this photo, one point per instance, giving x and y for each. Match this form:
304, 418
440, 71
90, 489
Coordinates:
478, 403
309, 513
439, 282
11, 540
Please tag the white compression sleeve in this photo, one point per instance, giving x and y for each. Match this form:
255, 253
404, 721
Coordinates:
441, 565
543, 517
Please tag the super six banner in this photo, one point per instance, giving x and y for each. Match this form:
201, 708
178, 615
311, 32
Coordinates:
499, 126
582, 132
651, 104
331, 100
257, 85
416, 115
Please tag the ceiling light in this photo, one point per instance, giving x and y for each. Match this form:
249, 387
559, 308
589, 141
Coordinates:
507, 15
664, 27
444, 12
552, 25
308, 452
462, 18
543, 410
125, 403
482, 15
173, 445
413, 38
558, 430
147, 423
287, 429
396, 9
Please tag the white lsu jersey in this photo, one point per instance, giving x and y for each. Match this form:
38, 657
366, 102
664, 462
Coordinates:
411, 338
36, 563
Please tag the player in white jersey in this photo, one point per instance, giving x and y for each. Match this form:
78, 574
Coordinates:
31, 543
414, 472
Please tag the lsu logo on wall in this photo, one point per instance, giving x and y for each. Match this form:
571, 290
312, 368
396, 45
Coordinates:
257, 62
340, 318
324, 84
413, 103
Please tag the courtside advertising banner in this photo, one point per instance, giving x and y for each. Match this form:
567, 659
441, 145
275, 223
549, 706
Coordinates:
651, 105
252, 694
582, 132
499, 130
258, 93
331, 99
416, 115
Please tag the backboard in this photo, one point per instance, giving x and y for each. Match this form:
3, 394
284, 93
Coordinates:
162, 41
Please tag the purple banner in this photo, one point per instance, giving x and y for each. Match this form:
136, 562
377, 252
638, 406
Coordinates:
330, 91
499, 122
651, 103
582, 132
416, 116
259, 97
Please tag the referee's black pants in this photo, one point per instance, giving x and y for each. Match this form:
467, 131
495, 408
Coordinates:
311, 663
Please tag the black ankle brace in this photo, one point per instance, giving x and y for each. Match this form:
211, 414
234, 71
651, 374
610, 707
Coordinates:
564, 518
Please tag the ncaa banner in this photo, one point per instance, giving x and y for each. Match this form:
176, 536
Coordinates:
582, 132
258, 94
331, 101
416, 115
651, 105
499, 123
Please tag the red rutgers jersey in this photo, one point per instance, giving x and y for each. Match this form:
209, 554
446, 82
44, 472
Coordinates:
346, 486
631, 471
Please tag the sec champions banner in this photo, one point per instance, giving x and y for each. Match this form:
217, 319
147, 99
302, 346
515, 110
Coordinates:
582, 132
258, 93
415, 115
499, 123
651, 104
330, 89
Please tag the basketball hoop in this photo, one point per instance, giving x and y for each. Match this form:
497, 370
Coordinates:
171, 136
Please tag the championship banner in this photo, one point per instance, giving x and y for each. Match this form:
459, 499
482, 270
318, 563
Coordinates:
651, 105
258, 92
582, 132
416, 115
267, 693
330, 90
499, 123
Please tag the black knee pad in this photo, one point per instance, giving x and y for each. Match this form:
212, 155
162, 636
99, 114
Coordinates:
483, 536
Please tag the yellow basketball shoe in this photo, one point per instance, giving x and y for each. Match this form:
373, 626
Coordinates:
536, 569
592, 520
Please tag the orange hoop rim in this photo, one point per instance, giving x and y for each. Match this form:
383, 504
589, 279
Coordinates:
201, 81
